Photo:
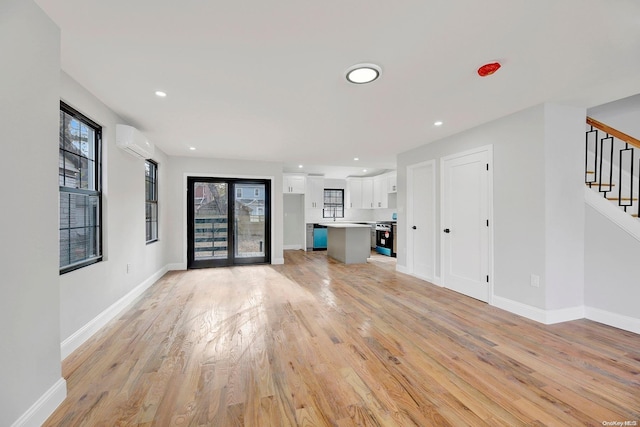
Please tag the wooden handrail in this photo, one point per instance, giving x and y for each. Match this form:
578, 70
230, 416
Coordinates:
614, 132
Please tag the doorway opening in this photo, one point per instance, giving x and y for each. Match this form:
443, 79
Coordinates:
228, 222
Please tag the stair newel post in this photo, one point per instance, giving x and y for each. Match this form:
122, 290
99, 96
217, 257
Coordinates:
591, 142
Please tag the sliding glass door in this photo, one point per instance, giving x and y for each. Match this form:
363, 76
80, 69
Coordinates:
228, 222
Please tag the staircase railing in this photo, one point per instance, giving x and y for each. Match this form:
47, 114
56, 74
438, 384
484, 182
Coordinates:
606, 153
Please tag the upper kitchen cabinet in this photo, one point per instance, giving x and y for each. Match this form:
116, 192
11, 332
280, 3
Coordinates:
392, 182
380, 192
354, 193
315, 192
293, 184
367, 193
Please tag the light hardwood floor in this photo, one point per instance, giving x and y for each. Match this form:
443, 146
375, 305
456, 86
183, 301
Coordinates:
318, 343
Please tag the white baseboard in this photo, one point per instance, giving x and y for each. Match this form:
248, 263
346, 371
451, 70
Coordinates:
177, 266
38, 413
548, 317
277, 261
564, 315
620, 321
405, 270
292, 247
84, 333
402, 269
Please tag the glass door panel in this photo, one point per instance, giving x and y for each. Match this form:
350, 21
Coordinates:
211, 216
249, 215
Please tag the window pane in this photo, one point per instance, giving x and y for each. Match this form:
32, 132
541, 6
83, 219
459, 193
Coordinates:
64, 211
61, 168
86, 141
74, 141
62, 128
64, 248
152, 221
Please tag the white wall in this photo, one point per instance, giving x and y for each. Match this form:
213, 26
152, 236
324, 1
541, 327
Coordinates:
518, 197
564, 206
611, 267
29, 294
621, 114
87, 292
294, 225
176, 213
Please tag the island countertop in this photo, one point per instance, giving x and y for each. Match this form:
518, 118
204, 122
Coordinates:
345, 225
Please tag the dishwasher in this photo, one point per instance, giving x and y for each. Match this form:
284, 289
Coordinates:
319, 237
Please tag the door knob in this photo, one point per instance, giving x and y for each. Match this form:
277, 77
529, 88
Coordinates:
446, 230
414, 227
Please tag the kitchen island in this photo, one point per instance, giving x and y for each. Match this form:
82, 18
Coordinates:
348, 243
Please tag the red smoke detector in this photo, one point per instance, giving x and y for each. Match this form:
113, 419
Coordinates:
488, 69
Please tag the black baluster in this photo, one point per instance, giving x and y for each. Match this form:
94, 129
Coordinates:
591, 141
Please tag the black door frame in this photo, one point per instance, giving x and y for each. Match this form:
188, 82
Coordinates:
231, 259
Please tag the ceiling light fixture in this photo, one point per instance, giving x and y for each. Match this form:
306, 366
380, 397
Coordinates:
363, 73
364, 170
356, 159
300, 166
438, 123
192, 148
161, 94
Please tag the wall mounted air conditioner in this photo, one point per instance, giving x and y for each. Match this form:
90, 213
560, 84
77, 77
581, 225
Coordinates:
133, 142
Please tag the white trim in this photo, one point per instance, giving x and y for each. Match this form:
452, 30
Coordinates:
620, 321
515, 307
42, 409
620, 218
292, 247
402, 269
277, 261
178, 266
564, 315
547, 317
79, 337
410, 268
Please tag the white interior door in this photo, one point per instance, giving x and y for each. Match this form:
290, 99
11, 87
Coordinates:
465, 223
421, 231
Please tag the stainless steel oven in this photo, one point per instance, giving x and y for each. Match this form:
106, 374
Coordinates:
384, 239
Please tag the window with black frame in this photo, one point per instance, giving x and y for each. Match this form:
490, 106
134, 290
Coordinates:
79, 178
151, 199
333, 203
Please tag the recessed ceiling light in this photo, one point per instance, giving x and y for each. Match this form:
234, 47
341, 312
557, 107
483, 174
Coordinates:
300, 166
192, 148
364, 170
161, 94
363, 73
438, 123
356, 159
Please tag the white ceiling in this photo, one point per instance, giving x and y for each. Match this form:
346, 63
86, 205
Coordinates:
264, 80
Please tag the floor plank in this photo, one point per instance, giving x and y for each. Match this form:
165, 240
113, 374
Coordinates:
318, 343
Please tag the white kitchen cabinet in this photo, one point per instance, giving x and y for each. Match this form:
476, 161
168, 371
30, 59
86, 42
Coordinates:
354, 193
392, 183
367, 193
380, 192
314, 195
293, 184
